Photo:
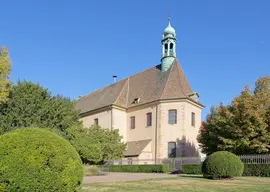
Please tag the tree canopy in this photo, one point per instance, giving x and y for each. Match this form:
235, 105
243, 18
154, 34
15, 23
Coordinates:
242, 127
5, 68
31, 105
96, 145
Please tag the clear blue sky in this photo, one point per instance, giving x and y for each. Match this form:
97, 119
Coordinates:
74, 47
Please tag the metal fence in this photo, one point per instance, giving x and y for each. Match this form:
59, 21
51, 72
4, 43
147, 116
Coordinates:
176, 163
255, 159
173, 163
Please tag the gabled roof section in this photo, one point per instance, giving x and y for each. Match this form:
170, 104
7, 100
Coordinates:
147, 86
100, 98
177, 85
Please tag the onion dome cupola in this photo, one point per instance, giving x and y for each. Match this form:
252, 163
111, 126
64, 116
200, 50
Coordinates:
168, 47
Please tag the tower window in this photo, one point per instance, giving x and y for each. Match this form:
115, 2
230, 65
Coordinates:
193, 119
171, 46
166, 48
172, 116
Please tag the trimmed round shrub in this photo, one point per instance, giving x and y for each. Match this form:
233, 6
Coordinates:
222, 165
33, 159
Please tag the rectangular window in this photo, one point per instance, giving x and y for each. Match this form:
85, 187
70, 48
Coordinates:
149, 119
171, 149
96, 121
132, 122
193, 119
172, 116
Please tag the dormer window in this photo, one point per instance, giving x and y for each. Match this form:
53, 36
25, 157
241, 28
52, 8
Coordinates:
194, 96
136, 100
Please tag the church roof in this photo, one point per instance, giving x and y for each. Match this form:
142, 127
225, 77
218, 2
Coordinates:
144, 87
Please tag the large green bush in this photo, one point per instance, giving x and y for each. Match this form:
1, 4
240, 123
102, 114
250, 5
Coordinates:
33, 159
222, 164
139, 168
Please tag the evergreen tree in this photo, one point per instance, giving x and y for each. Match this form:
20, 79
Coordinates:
31, 105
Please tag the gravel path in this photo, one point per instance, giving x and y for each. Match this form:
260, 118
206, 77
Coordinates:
114, 177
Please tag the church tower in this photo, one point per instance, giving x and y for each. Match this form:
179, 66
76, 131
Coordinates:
168, 47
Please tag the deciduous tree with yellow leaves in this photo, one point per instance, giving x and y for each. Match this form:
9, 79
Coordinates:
243, 127
5, 68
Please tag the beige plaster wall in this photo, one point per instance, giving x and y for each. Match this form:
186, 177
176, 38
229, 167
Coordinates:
141, 131
174, 133
191, 132
104, 119
166, 132
120, 122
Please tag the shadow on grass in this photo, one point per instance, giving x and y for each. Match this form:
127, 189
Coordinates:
191, 176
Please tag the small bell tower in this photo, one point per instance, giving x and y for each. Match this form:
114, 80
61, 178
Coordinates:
168, 47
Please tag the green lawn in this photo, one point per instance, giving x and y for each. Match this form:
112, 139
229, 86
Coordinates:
184, 184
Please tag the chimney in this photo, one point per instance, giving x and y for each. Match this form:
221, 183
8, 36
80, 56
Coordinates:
114, 78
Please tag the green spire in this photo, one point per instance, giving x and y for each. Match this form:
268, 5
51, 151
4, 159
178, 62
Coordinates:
168, 47
169, 30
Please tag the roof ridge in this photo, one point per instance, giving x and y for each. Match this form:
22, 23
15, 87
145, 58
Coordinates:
127, 91
179, 78
144, 70
119, 81
184, 76
120, 93
102, 88
167, 79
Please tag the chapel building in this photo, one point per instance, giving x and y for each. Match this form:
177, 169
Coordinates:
156, 111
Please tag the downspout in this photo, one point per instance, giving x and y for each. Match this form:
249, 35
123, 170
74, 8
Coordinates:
111, 117
156, 128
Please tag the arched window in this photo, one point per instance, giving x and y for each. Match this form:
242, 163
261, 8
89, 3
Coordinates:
171, 46
166, 48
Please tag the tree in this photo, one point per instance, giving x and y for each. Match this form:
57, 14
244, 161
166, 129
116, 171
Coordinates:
97, 145
31, 105
5, 67
86, 144
243, 127
111, 144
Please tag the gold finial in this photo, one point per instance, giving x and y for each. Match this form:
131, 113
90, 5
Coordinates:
169, 17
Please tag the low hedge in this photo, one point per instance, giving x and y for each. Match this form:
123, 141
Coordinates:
258, 170
139, 168
195, 169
